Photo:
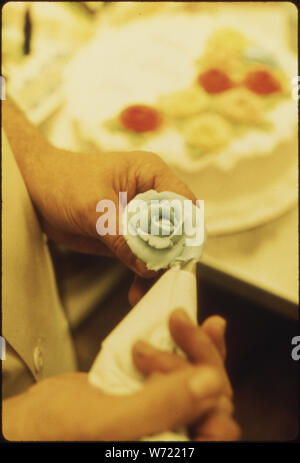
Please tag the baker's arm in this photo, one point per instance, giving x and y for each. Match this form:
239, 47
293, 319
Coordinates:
28, 144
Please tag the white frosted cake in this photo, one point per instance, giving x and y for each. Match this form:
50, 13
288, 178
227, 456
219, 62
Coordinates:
210, 93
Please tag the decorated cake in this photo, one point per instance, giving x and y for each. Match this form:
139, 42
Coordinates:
210, 94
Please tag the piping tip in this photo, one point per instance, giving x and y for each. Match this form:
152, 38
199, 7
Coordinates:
190, 266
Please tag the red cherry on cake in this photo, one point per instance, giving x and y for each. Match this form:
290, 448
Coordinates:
215, 81
140, 118
262, 82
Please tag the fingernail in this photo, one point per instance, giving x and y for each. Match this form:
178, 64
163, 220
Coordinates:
181, 315
143, 348
204, 382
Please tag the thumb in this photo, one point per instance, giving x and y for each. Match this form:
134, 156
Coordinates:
169, 401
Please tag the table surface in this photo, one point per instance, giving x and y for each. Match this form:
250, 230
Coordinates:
262, 261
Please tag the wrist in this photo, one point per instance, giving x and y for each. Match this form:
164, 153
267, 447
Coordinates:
30, 148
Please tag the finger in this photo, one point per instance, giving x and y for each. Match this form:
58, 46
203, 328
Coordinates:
117, 244
217, 426
167, 181
150, 360
193, 340
225, 404
139, 288
197, 345
79, 243
215, 328
86, 245
165, 404
156, 174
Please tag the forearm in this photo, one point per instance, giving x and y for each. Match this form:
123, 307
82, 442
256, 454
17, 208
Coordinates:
26, 140
30, 148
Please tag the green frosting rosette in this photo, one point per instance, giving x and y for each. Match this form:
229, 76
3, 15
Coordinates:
163, 229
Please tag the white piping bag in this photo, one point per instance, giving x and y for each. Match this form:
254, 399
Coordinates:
113, 370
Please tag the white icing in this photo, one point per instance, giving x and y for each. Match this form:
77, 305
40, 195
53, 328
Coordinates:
172, 246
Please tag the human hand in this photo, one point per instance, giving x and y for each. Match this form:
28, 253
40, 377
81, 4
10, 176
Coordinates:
68, 408
204, 346
74, 183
